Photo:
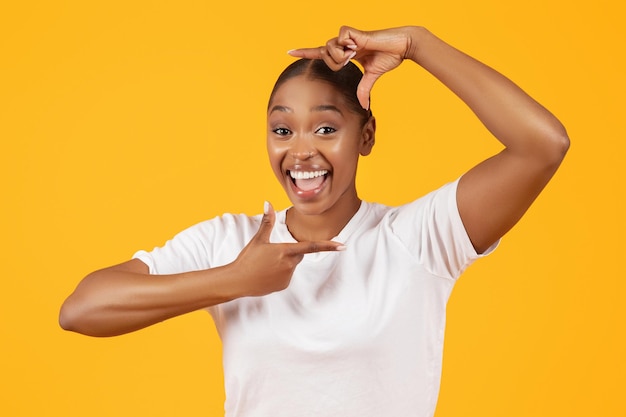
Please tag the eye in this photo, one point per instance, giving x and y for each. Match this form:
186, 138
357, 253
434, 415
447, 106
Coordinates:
281, 131
326, 130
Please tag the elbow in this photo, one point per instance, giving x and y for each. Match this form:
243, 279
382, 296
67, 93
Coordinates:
560, 138
556, 144
561, 144
74, 316
84, 310
69, 318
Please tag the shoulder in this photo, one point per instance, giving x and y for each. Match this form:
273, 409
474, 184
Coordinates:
440, 202
203, 245
221, 233
207, 234
233, 223
223, 225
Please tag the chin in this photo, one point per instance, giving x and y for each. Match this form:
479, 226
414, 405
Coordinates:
308, 208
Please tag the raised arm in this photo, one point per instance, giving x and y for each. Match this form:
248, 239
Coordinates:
124, 298
495, 194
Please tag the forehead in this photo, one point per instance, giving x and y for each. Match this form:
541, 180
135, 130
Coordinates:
303, 91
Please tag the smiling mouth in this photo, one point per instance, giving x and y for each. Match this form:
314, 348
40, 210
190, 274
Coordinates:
308, 180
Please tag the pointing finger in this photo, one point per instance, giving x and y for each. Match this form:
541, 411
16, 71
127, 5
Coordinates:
302, 248
334, 55
308, 53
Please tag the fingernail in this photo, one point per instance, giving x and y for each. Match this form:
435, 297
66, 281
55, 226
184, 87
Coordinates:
351, 46
341, 247
352, 55
266, 207
290, 51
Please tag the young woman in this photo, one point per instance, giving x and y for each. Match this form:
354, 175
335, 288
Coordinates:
336, 306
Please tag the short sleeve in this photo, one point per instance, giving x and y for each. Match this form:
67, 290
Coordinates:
432, 230
187, 251
205, 245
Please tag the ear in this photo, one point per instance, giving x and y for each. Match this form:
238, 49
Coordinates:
368, 136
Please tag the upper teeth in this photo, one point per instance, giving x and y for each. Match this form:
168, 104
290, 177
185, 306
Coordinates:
305, 175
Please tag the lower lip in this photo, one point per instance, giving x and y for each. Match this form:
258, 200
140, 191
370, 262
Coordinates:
305, 195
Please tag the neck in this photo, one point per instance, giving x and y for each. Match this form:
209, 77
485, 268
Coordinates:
322, 226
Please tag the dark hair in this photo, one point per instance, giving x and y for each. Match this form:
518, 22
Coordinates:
345, 81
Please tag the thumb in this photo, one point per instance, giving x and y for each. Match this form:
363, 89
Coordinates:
364, 88
267, 223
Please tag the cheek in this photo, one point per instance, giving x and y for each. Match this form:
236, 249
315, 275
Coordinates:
275, 156
343, 152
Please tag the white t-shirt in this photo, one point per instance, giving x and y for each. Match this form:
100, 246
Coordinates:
357, 333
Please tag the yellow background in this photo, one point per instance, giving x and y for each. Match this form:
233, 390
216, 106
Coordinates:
122, 123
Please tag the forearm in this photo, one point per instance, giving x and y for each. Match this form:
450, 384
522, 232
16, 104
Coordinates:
125, 297
514, 118
113, 301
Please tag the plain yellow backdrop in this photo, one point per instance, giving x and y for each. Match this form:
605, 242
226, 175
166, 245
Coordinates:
122, 123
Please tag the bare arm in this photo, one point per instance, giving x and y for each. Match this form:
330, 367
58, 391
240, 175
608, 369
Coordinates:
495, 194
124, 298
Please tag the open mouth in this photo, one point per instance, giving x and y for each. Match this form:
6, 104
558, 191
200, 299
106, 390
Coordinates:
308, 181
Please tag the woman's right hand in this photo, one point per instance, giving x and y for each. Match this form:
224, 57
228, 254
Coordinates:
263, 267
124, 298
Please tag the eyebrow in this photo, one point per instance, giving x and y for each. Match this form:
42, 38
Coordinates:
327, 107
320, 108
280, 108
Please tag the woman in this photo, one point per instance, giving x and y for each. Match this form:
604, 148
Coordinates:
337, 306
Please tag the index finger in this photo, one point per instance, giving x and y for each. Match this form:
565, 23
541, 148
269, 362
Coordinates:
302, 248
308, 53
335, 56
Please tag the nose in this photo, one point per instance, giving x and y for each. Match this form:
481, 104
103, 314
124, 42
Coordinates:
302, 149
302, 156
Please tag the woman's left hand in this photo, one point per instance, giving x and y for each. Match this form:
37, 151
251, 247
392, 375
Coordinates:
377, 51
493, 195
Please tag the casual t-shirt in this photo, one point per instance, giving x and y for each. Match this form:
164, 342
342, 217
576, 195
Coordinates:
357, 333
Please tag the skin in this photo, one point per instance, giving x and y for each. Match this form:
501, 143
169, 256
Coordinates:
491, 197
494, 195
311, 127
